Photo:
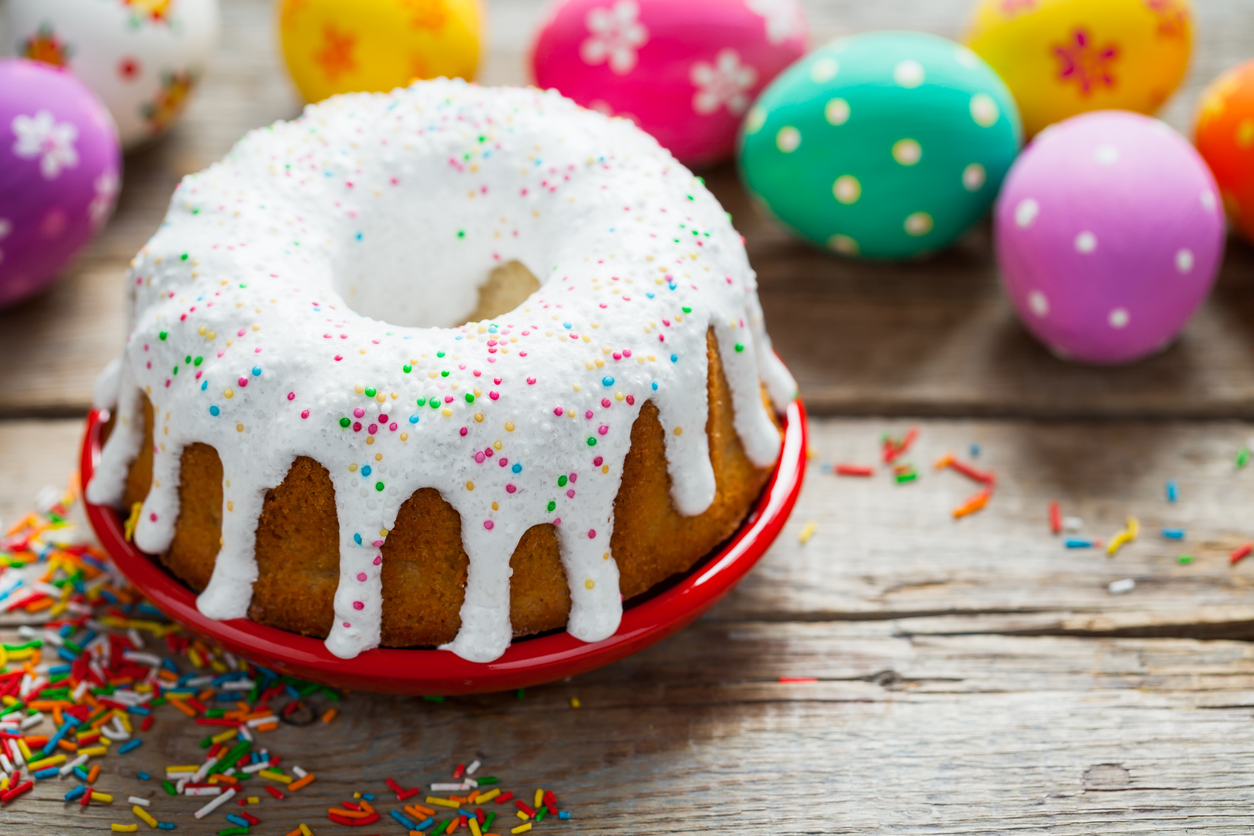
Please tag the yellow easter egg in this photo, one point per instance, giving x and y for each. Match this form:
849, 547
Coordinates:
1063, 57
332, 46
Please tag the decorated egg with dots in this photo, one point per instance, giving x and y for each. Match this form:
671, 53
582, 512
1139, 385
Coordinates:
1109, 234
685, 71
1224, 134
885, 145
59, 167
377, 45
143, 58
1063, 57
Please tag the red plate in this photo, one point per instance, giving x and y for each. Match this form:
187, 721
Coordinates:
527, 662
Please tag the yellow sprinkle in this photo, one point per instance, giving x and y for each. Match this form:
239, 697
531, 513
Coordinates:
275, 776
808, 531
96, 752
679, 431
590, 583
404, 436
479, 416
574, 703
441, 802
487, 796
304, 830
253, 799
523, 816
102, 797
132, 521
239, 428
124, 828
447, 412
509, 426
226, 735
55, 760
1134, 527
540, 792
474, 828
229, 393
496, 445
142, 815
191, 768
470, 486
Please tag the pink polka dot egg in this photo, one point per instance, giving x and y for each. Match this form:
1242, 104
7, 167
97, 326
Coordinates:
1109, 234
685, 71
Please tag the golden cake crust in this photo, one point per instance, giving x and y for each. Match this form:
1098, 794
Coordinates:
424, 565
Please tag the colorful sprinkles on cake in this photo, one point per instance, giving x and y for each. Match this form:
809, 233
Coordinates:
98, 665
242, 304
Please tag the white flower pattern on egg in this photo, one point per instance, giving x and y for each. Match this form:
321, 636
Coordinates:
44, 137
782, 17
106, 187
615, 34
724, 83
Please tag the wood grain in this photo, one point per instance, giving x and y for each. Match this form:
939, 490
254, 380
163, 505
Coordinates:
928, 338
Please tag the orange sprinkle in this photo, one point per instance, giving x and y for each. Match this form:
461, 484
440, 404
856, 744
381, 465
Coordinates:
348, 814
329, 715
267, 727
419, 810
186, 709
973, 504
300, 782
94, 774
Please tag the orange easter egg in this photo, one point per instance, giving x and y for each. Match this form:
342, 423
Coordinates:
1223, 131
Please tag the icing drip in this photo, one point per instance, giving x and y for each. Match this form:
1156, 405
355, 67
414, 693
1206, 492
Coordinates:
400, 204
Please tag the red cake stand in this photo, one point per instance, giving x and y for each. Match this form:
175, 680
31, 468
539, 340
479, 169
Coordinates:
527, 662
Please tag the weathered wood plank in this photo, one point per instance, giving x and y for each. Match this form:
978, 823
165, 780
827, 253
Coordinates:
900, 735
932, 338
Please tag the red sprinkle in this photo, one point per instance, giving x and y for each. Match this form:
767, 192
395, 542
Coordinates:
854, 470
1055, 517
1240, 552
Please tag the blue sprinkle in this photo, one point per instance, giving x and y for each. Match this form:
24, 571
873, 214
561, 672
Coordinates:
674, 358
975, 451
607, 381
424, 824
650, 294
655, 386
413, 419
237, 820
1173, 490
139, 709
517, 468
50, 772
1079, 543
365, 471
81, 773
405, 822
213, 410
66, 654
357, 539
566, 325
143, 776
165, 825
359, 236
256, 371
76, 793
563, 814
369, 796
204, 385
129, 746
1173, 533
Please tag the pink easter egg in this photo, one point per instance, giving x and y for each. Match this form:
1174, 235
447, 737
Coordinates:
59, 169
686, 71
1109, 235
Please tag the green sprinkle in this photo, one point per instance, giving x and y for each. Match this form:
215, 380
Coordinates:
378, 486
1184, 559
561, 481
421, 401
461, 233
407, 368
439, 354
1243, 457
434, 699
552, 506
909, 476
163, 335
344, 422
686, 309
470, 398
435, 403
169, 788
187, 359
198, 361
183, 257
371, 392
740, 346
592, 442
444, 373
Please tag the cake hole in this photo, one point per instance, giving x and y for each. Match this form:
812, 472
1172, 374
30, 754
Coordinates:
507, 287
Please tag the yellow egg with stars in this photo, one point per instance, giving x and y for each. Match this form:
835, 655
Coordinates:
1063, 57
332, 46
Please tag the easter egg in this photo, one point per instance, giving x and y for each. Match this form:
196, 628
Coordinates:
885, 145
1109, 234
1063, 57
685, 71
1224, 135
59, 167
142, 58
377, 45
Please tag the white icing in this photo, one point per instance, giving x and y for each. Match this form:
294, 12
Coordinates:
404, 202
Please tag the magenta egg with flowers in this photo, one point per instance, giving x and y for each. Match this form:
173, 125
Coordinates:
59, 168
685, 71
1109, 234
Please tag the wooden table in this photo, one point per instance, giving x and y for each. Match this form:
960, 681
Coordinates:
970, 676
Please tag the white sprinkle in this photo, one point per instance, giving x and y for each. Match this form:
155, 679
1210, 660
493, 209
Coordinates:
215, 804
1184, 260
1026, 212
1085, 242
69, 766
135, 799
909, 73
1072, 523
1121, 586
473, 768
256, 767
1038, 303
202, 791
1118, 318
203, 770
298, 772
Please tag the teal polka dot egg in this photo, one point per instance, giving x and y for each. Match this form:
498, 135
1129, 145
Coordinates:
885, 145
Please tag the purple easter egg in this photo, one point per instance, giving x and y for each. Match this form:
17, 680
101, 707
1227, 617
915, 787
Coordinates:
1109, 235
59, 167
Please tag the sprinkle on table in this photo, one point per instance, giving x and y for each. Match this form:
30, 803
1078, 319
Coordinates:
807, 531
